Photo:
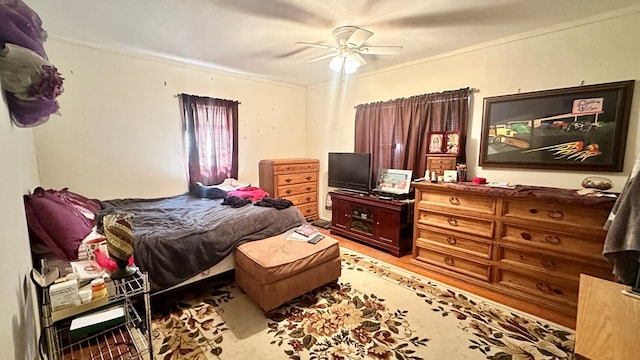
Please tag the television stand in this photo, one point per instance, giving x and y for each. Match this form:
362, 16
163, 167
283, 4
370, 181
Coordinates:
351, 192
385, 224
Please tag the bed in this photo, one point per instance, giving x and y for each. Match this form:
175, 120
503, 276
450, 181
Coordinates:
178, 239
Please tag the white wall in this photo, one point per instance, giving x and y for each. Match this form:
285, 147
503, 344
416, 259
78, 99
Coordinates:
120, 133
597, 52
18, 176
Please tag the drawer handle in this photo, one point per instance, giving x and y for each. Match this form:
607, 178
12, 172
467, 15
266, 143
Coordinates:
525, 236
309, 177
288, 180
287, 191
454, 200
308, 210
548, 263
452, 221
551, 239
555, 214
307, 198
449, 261
451, 240
308, 188
543, 287
533, 211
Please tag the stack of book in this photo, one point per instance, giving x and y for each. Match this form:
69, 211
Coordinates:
303, 232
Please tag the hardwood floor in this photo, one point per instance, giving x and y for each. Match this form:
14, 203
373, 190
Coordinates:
404, 263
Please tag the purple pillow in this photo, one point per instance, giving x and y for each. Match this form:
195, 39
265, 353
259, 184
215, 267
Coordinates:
56, 223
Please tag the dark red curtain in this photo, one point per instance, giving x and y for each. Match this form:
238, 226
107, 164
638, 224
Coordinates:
211, 135
395, 132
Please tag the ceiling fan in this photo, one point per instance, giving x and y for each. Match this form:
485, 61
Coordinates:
347, 53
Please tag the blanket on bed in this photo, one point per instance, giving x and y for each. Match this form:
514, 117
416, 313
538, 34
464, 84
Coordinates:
179, 236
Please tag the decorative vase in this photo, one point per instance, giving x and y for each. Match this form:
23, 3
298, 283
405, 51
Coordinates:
118, 229
462, 175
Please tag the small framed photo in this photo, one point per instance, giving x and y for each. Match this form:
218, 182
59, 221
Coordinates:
452, 142
450, 176
436, 142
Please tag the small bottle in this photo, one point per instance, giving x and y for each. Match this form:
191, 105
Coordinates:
98, 289
433, 177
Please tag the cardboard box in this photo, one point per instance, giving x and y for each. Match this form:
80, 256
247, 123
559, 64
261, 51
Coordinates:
97, 321
74, 310
64, 294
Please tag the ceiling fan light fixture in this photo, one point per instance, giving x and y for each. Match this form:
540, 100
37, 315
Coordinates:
351, 64
336, 63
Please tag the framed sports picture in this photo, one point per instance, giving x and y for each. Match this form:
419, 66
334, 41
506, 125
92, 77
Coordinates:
580, 128
436, 142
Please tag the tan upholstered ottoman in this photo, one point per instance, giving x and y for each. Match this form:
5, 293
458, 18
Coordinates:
275, 270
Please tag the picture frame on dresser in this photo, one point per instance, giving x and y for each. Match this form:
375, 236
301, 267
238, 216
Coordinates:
452, 142
436, 142
581, 128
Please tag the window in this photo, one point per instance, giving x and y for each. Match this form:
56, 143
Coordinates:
211, 138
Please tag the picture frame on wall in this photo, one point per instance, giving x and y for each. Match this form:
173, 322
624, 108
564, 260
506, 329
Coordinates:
452, 142
581, 128
436, 142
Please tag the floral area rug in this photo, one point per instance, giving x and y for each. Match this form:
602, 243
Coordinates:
375, 311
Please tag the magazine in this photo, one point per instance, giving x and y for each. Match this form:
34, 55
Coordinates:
88, 269
306, 230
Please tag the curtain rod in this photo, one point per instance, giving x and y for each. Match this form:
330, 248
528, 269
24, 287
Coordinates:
470, 91
178, 95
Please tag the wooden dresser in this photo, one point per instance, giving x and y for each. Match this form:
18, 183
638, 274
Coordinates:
292, 179
529, 243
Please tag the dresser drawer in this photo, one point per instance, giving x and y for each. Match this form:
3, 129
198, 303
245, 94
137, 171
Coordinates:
295, 167
466, 202
557, 214
440, 164
556, 241
453, 241
555, 291
309, 209
303, 198
297, 189
528, 260
290, 179
467, 267
466, 224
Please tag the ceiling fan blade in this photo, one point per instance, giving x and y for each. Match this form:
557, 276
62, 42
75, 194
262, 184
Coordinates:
321, 46
359, 58
277, 9
380, 50
358, 37
326, 56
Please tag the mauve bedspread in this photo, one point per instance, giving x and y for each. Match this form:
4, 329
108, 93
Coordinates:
177, 237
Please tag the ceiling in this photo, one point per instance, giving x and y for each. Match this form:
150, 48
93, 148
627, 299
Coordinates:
256, 37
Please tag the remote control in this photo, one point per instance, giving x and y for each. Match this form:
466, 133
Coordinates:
315, 239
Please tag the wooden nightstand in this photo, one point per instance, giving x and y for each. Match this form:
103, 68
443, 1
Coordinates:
608, 321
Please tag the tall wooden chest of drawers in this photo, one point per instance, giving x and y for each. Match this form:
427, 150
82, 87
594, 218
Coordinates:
292, 179
529, 243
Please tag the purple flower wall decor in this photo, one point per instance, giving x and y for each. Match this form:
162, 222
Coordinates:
30, 82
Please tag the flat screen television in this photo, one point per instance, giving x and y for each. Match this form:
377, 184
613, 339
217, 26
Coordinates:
350, 171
